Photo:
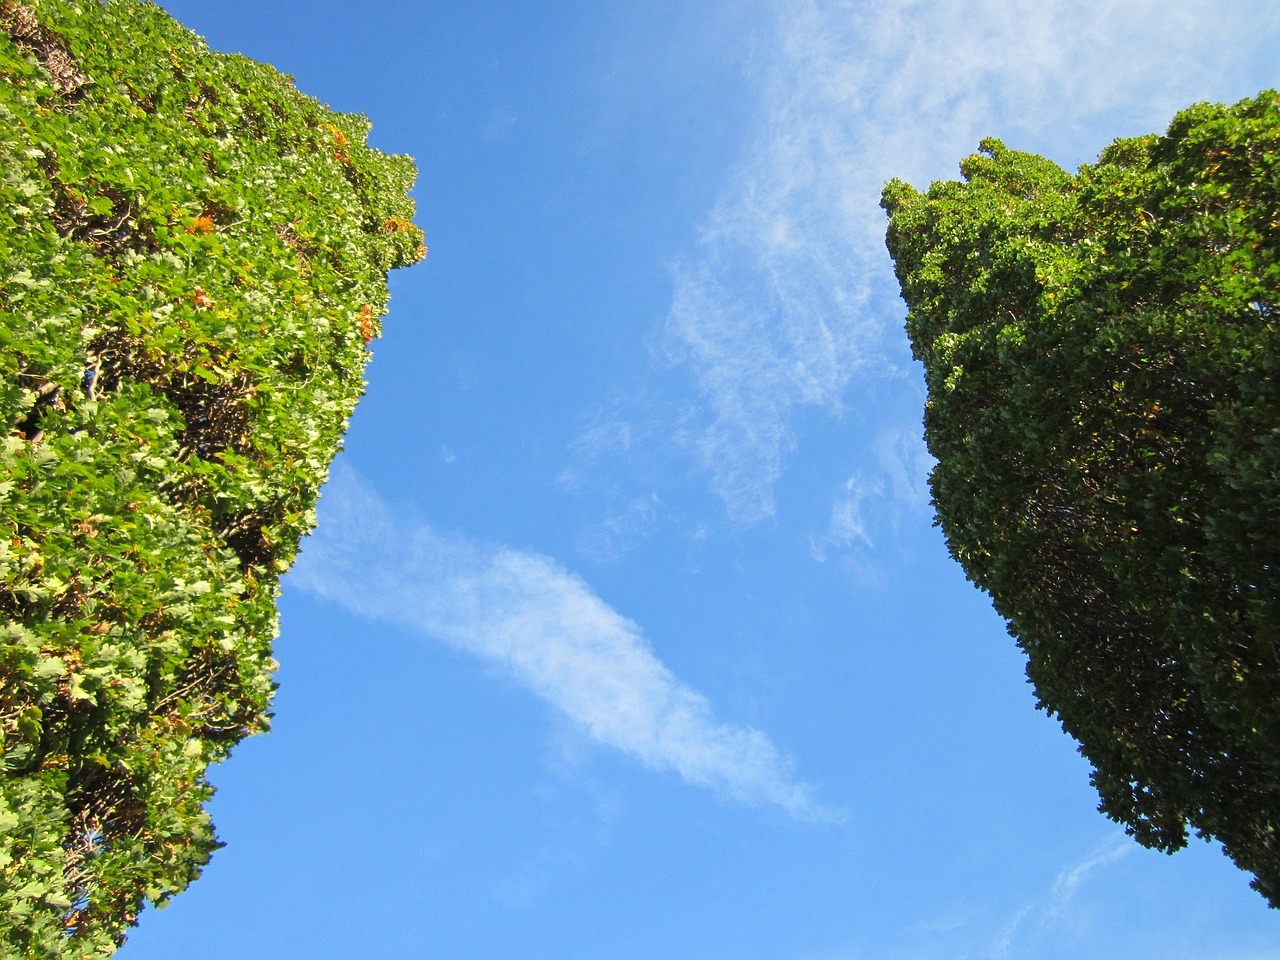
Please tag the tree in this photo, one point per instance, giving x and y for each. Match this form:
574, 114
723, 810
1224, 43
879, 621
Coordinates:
1102, 354
193, 260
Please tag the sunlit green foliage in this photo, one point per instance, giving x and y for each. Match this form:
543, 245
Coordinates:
1102, 354
193, 260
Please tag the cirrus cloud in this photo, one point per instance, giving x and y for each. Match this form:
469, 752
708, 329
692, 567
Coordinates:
545, 627
787, 297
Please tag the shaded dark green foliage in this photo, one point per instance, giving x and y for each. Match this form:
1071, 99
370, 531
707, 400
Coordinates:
1102, 354
193, 259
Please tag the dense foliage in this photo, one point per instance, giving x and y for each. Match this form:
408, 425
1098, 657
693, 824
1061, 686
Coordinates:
1102, 354
193, 260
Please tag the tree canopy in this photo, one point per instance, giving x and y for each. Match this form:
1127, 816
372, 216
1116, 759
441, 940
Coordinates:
1102, 355
193, 260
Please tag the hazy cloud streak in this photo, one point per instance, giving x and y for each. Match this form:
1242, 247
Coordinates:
542, 624
788, 295
875, 503
1039, 918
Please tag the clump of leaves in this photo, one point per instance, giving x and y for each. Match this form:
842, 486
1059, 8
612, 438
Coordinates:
1102, 354
194, 262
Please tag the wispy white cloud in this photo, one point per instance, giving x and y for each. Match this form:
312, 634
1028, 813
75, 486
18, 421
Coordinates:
875, 502
1070, 879
1038, 917
848, 524
620, 530
545, 627
787, 296
904, 463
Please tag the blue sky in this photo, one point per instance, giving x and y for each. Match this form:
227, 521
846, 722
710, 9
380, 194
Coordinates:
626, 632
